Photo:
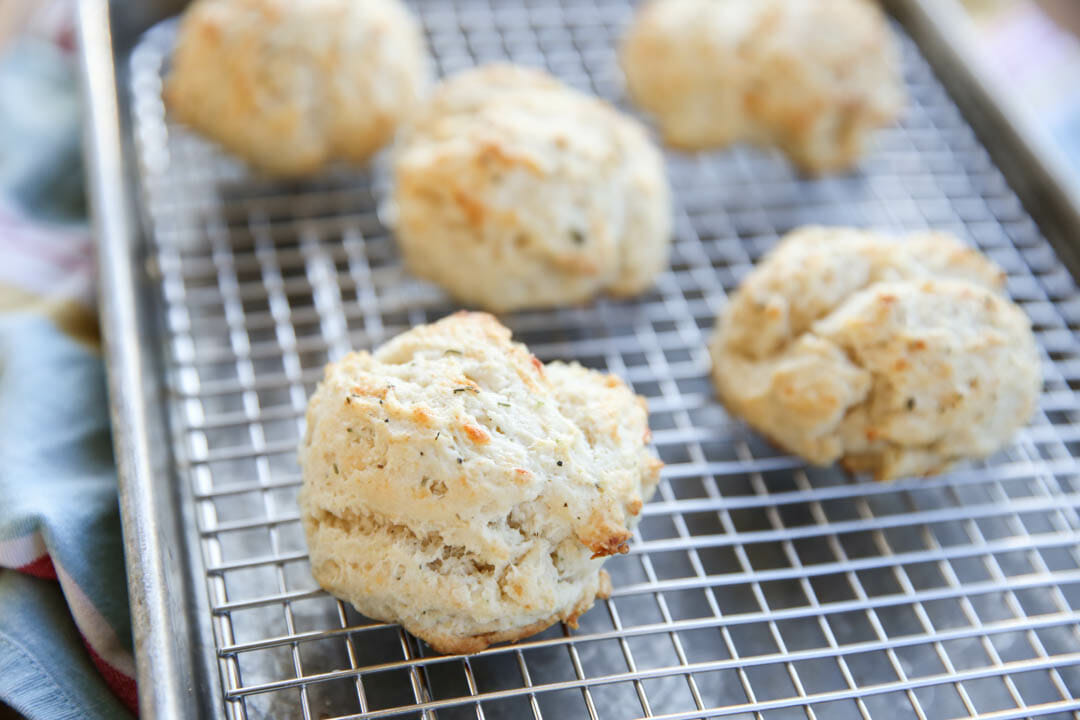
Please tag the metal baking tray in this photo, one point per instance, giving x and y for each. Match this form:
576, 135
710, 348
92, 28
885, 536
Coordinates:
755, 587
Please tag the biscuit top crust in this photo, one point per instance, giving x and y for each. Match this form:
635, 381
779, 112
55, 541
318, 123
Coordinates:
483, 427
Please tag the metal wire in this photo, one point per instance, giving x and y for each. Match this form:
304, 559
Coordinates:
755, 587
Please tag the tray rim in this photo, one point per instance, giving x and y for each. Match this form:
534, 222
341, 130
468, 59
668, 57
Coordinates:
173, 681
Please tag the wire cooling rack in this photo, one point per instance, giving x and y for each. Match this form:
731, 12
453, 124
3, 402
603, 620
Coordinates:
755, 587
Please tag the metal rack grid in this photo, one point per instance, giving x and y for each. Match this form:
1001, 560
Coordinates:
755, 587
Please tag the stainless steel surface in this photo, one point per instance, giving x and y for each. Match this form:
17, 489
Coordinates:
754, 588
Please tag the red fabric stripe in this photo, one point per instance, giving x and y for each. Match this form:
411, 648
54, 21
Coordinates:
42, 568
66, 39
121, 685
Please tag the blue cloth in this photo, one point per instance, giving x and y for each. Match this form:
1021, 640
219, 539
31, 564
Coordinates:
44, 669
65, 630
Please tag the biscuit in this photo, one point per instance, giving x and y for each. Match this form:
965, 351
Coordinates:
292, 86
812, 77
513, 190
455, 484
894, 356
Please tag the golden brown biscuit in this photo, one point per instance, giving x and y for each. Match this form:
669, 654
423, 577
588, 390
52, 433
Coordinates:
895, 357
513, 191
455, 484
812, 77
292, 86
